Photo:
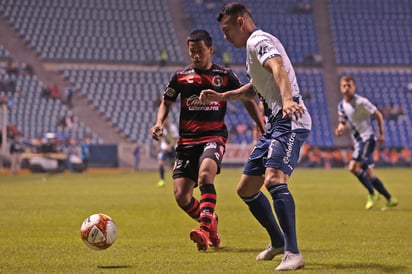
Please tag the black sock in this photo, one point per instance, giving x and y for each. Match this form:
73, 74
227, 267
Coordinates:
260, 207
378, 185
285, 211
363, 178
162, 172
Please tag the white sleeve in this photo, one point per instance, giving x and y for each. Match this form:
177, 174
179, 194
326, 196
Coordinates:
371, 108
264, 48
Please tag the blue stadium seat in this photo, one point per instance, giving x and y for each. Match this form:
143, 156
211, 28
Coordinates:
127, 31
371, 32
296, 31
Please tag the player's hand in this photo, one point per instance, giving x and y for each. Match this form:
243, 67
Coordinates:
338, 131
293, 110
381, 139
157, 132
208, 95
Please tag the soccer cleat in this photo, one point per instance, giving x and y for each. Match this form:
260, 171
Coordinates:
391, 203
291, 261
372, 198
161, 183
269, 253
200, 237
214, 238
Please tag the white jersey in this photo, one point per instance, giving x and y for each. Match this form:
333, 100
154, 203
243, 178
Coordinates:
357, 113
169, 133
260, 47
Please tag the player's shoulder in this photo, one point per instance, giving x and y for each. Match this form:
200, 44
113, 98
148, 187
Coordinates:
361, 99
260, 36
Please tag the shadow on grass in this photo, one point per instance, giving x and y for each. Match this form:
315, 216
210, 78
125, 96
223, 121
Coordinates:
379, 268
114, 266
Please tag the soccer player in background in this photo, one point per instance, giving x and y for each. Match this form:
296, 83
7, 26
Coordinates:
355, 114
276, 153
202, 134
167, 149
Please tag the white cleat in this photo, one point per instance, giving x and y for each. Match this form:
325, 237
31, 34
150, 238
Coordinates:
291, 261
269, 253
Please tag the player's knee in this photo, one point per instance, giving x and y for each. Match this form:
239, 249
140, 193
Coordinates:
353, 169
240, 191
181, 197
206, 176
245, 191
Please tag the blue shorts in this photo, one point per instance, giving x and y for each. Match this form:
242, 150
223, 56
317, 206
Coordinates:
277, 148
363, 151
164, 155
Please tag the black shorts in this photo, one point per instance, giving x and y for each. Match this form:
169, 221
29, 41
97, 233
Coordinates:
189, 157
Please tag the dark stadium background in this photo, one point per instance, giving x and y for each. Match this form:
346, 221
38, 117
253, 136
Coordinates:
109, 51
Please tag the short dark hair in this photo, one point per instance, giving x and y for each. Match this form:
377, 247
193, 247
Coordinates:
233, 9
200, 35
348, 78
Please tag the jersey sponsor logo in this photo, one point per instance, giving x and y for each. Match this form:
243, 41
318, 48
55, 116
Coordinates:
262, 50
193, 103
264, 46
217, 81
170, 92
191, 78
289, 148
211, 145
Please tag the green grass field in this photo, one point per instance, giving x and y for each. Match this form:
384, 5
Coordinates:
40, 222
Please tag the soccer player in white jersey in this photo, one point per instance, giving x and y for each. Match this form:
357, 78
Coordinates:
167, 149
276, 152
355, 113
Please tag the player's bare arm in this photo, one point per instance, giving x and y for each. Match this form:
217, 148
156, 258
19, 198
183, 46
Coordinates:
379, 118
245, 92
290, 108
162, 113
253, 110
340, 129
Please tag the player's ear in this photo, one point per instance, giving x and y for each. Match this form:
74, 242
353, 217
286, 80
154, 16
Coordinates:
240, 21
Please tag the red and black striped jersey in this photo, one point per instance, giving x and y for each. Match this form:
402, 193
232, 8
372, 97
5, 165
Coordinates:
198, 122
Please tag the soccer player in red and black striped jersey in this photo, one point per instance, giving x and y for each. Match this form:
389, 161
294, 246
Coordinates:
202, 134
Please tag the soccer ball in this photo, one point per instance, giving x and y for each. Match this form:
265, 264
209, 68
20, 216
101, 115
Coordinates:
98, 231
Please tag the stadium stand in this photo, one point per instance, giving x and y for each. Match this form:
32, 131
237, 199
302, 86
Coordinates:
34, 115
101, 31
299, 37
372, 32
3, 53
127, 98
87, 38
